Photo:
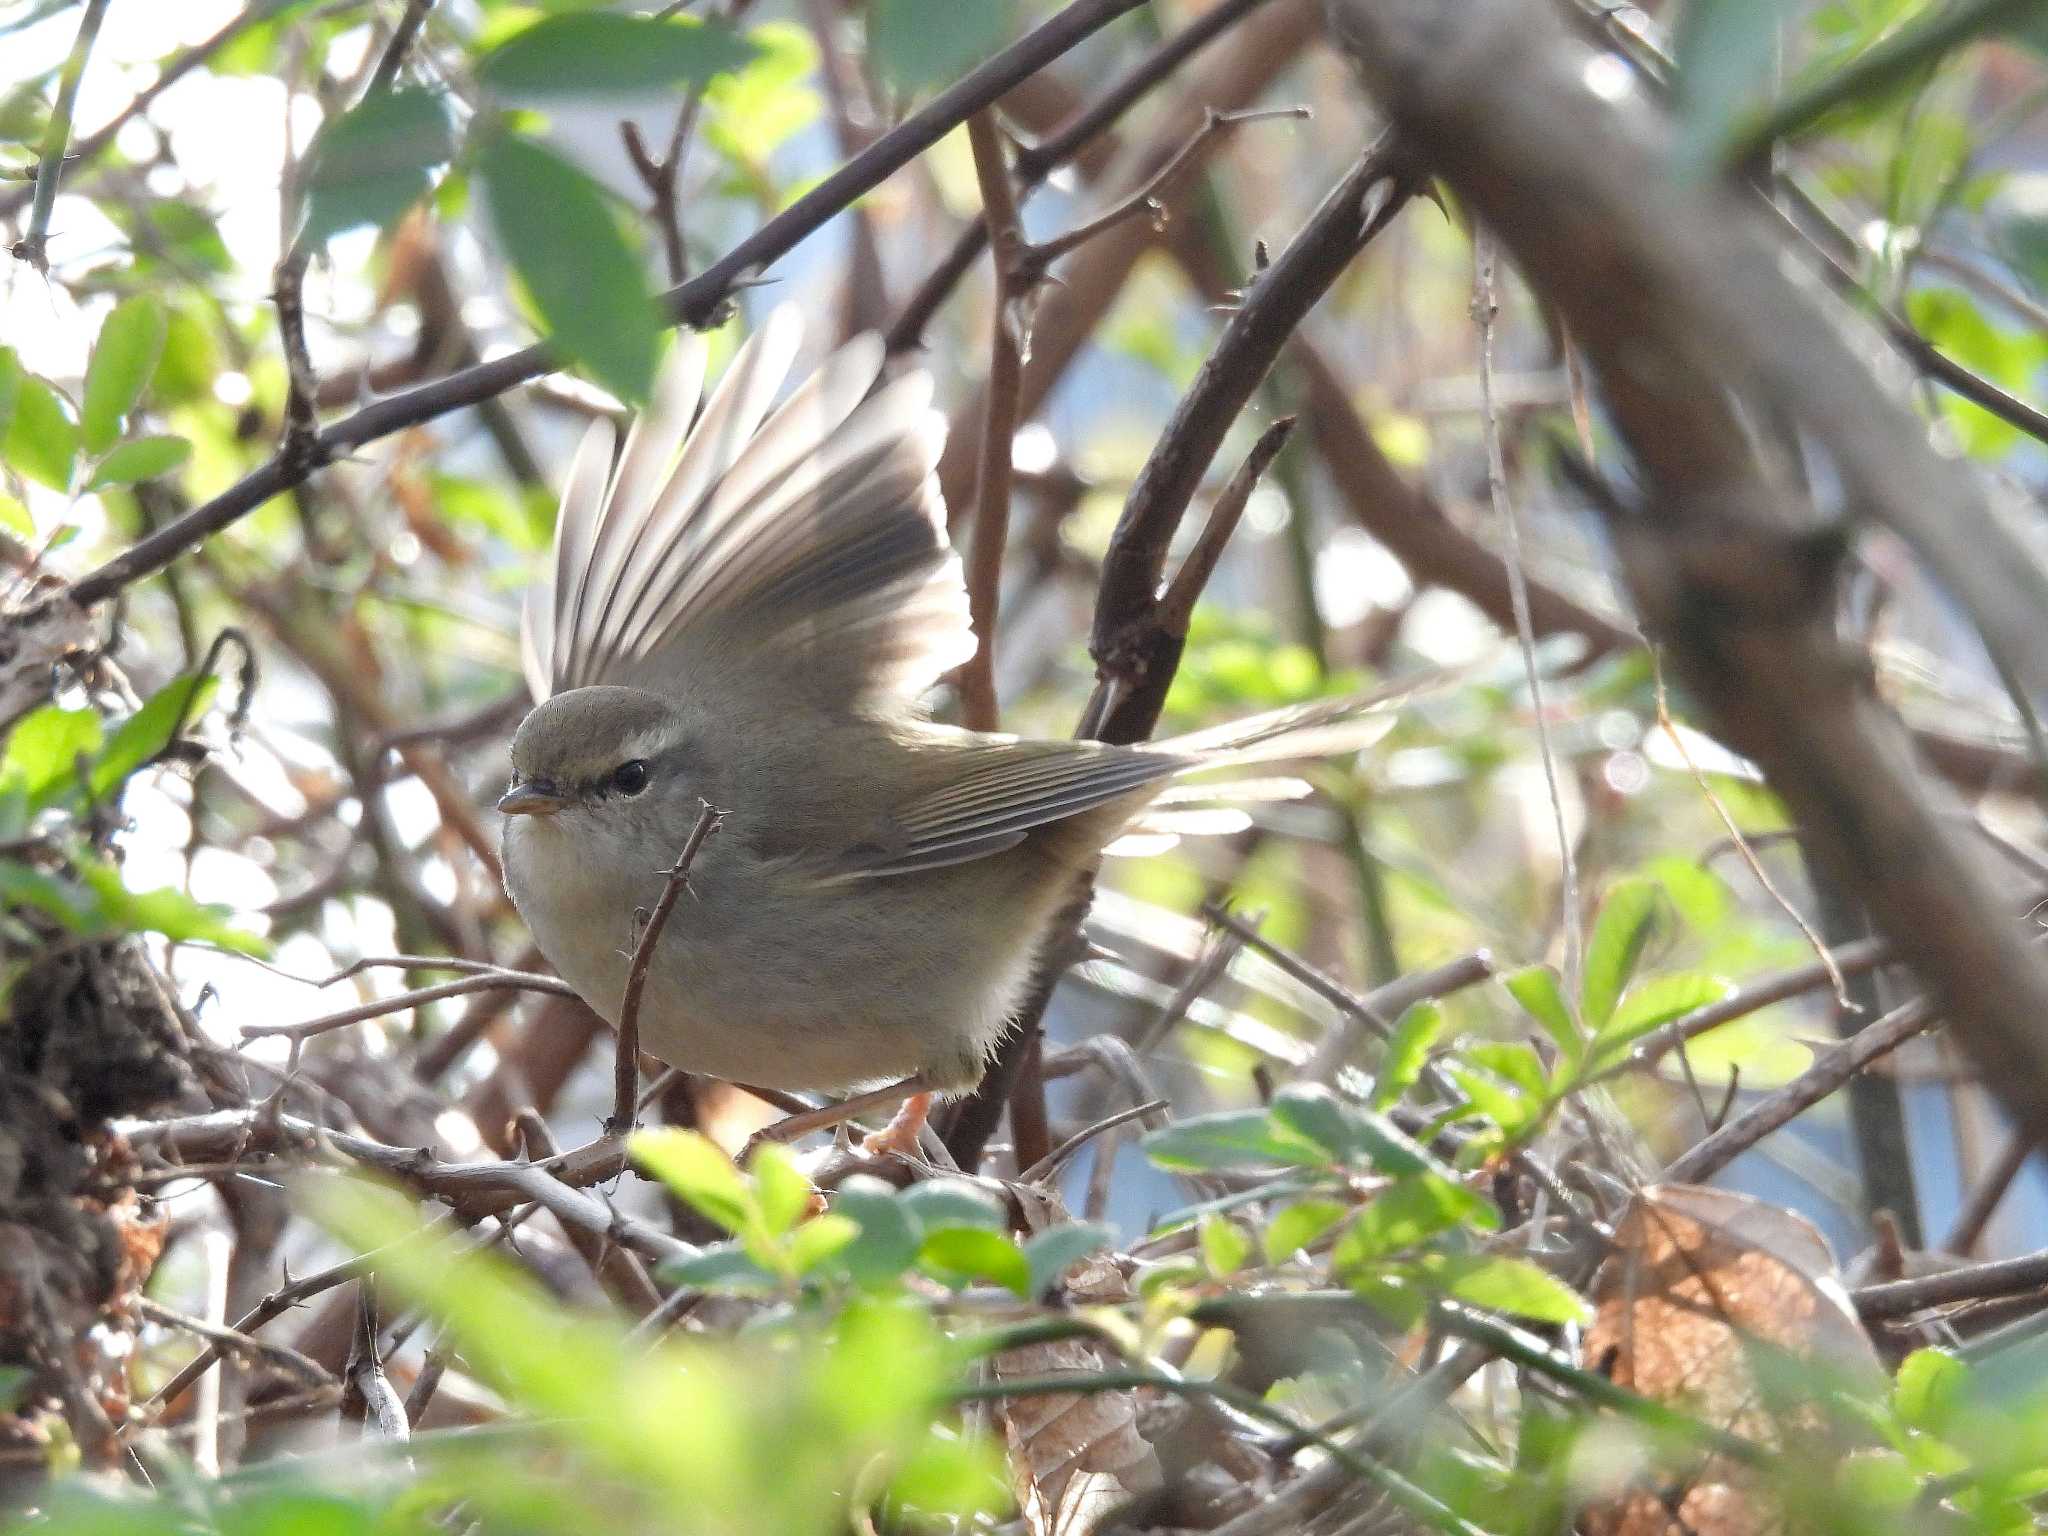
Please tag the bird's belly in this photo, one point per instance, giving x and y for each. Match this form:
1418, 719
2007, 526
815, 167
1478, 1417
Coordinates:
826, 998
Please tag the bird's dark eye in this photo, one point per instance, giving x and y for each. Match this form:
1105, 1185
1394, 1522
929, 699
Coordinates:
630, 778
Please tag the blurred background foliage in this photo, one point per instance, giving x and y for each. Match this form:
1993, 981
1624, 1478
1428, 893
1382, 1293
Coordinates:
283, 760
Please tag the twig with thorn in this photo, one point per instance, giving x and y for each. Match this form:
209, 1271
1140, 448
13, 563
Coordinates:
626, 1066
34, 245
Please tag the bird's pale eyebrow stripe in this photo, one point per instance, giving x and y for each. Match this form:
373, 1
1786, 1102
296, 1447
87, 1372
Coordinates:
650, 741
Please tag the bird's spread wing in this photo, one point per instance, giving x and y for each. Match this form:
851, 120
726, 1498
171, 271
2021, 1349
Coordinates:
811, 537
983, 793
991, 792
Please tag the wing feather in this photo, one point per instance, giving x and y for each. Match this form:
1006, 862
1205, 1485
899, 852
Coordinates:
812, 535
998, 789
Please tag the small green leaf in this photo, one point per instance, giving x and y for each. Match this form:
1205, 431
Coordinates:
916, 43
937, 1205
1056, 1250
60, 900
41, 760
165, 910
585, 282
698, 1173
1296, 1226
1516, 1286
10, 388
1225, 1246
1927, 1387
143, 459
889, 1238
1316, 1115
962, 1255
1515, 1061
15, 519
1652, 1003
722, 1267
1541, 995
371, 164
149, 730
1503, 1104
1407, 1051
1626, 921
755, 111
1230, 1138
42, 440
123, 359
783, 1191
595, 53
819, 1239
1406, 1214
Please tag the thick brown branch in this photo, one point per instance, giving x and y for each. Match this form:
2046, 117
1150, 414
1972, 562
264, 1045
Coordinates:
994, 465
1126, 627
1681, 296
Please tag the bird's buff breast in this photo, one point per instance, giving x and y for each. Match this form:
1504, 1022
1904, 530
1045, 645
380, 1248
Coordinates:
812, 1001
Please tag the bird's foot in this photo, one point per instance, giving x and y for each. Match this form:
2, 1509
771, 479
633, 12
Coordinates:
900, 1135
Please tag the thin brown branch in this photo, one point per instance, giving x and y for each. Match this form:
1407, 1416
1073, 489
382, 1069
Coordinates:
626, 1065
1973, 1282
662, 176
1485, 317
614, 1266
994, 465
367, 1397
301, 445
1991, 1189
1146, 199
1135, 655
1830, 1071
474, 1190
1177, 602
237, 1341
1126, 640
1035, 162
489, 980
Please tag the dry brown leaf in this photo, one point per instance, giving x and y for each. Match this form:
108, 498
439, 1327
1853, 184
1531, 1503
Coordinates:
1074, 1456
1697, 1277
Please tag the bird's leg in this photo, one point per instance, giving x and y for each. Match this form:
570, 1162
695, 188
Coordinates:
912, 1088
901, 1134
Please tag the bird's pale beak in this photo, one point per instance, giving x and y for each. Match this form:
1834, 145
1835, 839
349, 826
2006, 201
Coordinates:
534, 797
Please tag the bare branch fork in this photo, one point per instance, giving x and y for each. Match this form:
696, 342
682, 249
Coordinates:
1035, 162
626, 1065
1021, 269
1136, 653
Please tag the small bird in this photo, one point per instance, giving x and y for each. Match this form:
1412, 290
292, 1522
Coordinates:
744, 612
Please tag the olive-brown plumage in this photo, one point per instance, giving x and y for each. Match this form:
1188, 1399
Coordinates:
745, 611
